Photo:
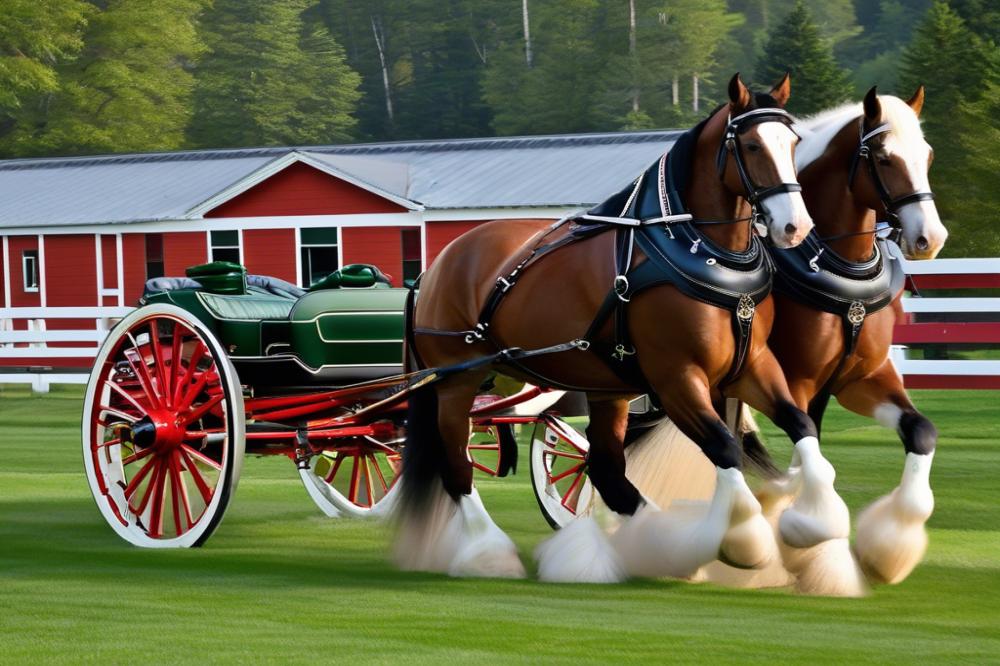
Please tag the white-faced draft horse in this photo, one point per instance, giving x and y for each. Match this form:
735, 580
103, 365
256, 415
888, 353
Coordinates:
837, 298
841, 290
664, 289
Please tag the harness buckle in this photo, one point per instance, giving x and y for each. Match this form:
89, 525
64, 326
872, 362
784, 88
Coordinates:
504, 284
621, 288
581, 344
694, 246
477, 334
620, 352
814, 262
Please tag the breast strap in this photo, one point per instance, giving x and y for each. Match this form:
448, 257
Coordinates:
814, 275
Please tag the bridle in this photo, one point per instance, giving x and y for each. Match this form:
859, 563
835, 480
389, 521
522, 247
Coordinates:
731, 144
892, 206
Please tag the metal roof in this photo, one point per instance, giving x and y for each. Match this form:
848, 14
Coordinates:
561, 170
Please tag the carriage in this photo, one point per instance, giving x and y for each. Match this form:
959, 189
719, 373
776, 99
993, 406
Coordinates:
220, 364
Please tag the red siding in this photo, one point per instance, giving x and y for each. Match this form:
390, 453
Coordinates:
439, 234
270, 252
18, 297
382, 246
134, 266
70, 271
109, 261
302, 190
182, 250
3, 297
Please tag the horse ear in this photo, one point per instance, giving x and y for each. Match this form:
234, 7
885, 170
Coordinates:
873, 108
739, 95
782, 89
917, 101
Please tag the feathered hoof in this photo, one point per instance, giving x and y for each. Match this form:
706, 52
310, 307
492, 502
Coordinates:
655, 543
889, 545
749, 544
430, 539
490, 554
579, 553
814, 518
828, 569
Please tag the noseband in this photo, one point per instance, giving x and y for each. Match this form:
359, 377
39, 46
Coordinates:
865, 153
731, 144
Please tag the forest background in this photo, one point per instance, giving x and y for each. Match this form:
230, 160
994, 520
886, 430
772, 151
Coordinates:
102, 76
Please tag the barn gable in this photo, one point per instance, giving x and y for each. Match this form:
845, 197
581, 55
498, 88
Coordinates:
301, 184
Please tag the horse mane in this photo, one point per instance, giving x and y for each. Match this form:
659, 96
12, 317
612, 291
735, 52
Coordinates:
817, 131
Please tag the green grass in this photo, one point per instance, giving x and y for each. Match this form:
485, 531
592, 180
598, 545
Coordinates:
278, 581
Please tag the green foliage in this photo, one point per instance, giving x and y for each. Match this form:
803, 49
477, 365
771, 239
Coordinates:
795, 46
273, 76
130, 89
959, 71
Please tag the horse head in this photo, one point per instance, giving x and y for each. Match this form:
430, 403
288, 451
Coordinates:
894, 179
761, 142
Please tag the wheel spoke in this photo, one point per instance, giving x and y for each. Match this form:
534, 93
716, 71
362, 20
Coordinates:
137, 479
103, 445
113, 412
378, 470
139, 455
564, 454
148, 493
202, 409
196, 354
332, 474
178, 493
143, 377
161, 368
128, 397
572, 494
175, 360
368, 481
196, 476
352, 492
198, 455
563, 475
194, 390
159, 497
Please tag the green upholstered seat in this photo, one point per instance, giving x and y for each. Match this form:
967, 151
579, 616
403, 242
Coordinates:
252, 306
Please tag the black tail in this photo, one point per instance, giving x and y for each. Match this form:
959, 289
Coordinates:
424, 451
756, 457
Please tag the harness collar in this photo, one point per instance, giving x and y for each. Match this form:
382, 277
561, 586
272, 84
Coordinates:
864, 152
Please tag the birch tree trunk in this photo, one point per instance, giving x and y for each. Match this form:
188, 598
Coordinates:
632, 56
675, 91
380, 45
694, 92
527, 32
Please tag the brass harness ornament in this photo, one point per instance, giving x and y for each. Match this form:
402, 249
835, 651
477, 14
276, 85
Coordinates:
856, 313
745, 308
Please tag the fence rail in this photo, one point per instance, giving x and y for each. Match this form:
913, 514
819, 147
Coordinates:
32, 351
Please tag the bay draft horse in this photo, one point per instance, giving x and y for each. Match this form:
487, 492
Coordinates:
684, 349
858, 166
857, 163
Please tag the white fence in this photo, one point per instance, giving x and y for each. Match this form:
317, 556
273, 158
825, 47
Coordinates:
26, 340
26, 354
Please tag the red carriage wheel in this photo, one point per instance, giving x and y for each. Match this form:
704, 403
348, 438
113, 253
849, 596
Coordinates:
163, 429
558, 463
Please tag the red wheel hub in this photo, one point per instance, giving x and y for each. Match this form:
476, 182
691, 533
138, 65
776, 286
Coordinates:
162, 430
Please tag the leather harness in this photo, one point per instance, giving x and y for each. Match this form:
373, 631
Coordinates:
649, 214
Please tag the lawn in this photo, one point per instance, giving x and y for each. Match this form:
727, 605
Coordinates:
278, 581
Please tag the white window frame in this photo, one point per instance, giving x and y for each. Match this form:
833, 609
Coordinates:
238, 247
30, 289
303, 269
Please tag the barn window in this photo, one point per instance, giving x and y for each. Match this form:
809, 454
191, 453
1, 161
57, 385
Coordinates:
226, 246
29, 269
318, 253
411, 254
154, 256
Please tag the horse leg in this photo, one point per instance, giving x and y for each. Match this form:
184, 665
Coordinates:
580, 552
890, 539
679, 541
814, 522
818, 513
443, 525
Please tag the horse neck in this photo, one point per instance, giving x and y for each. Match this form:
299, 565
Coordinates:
831, 201
708, 198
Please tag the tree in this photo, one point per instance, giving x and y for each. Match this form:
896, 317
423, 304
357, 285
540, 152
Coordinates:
36, 36
274, 76
129, 89
959, 72
795, 46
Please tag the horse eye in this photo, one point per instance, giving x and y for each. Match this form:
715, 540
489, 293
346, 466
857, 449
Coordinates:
753, 147
884, 161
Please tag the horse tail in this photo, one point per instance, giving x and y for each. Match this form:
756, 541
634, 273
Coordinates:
756, 457
423, 448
